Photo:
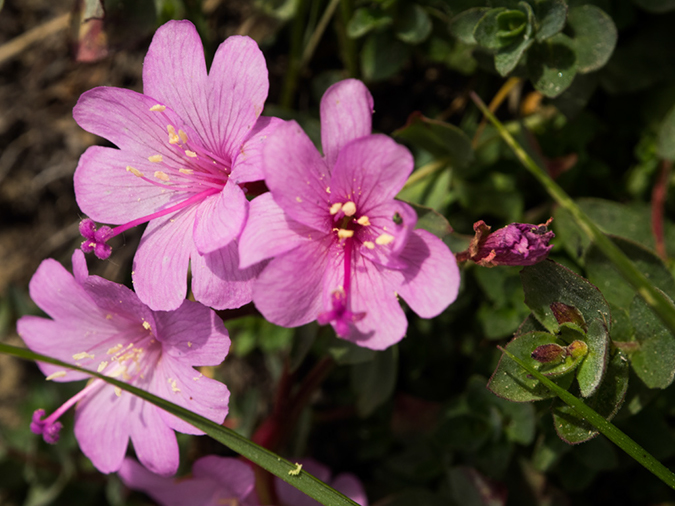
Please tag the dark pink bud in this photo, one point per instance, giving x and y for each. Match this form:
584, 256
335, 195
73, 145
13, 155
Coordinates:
47, 428
568, 314
549, 353
95, 240
515, 244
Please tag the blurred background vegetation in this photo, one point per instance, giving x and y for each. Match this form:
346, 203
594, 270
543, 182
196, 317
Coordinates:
588, 89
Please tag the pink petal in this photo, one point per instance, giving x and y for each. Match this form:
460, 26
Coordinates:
185, 386
55, 340
370, 171
346, 114
102, 426
80, 269
297, 176
237, 92
218, 282
247, 165
431, 281
117, 301
351, 486
385, 322
154, 443
288, 291
382, 222
108, 193
270, 232
192, 334
220, 218
161, 262
234, 476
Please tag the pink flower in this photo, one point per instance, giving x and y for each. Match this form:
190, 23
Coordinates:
514, 244
214, 481
342, 247
186, 147
345, 483
102, 326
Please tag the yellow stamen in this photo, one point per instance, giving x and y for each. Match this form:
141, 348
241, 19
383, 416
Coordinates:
369, 244
80, 356
186, 171
344, 234
135, 172
183, 135
162, 176
174, 387
158, 108
363, 220
114, 349
57, 374
191, 154
118, 391
108, 316
102, 366
173, 139
298, 199
146, 325
327, 189
189, 344
155, 158
349, 208
335, 208
384, 239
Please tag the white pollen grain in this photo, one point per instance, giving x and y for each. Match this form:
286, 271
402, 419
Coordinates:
57, 374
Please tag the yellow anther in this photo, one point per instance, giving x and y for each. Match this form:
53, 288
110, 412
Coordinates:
146, 325
108, 316
363, 220
155, 158
327, 189
191, 154
114, 349
158, 108
298, 199
174, 387
369, 244
80, 356
162, 176
186, 171
335, 208
384, 239
349, 208
135, 172
344, 233
189, 344
118, 391
171, 129
102, 366
57, 374
183, 135
173, 139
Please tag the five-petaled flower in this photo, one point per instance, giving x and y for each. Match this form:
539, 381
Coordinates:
215, 481
342, 247
187, 145
102, 326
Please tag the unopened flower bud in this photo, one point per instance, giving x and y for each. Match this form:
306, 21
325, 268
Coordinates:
567, 314
547, 353
577, 349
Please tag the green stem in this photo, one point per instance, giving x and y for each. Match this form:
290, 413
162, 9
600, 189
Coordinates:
348, 45
599, 422
425, 171
297, 34
318, 33
660, 303
266, 459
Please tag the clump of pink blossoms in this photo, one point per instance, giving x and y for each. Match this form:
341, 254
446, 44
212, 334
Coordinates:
102, 326
187, 145
342, 248
215, 481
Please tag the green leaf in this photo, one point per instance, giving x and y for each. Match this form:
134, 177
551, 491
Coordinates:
654, 360
508, 57
512, 382
374, 381
488, 28
666, 141
463, 25
470, 488
573, 428
430, 220
550, 18
594, 39
364, 20
551, 65
615, 289
348, 353
441, 139
413, 25
382, 56
264, 458
592, 370
656, 5
548, 282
